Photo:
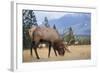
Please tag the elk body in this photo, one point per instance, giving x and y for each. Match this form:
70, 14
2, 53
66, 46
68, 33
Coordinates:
48, 35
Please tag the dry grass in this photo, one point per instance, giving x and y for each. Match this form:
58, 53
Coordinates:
78, 52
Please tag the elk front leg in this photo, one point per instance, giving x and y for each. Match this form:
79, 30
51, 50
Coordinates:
35, 50
31, 48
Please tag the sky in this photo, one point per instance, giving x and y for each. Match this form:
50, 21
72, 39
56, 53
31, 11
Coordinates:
80, 22
50, 15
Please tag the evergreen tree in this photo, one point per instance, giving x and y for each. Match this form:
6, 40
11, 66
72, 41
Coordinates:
70, 36
28, 19
54, 26
46, 23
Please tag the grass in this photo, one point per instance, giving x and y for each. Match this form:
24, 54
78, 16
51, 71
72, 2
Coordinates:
78, 52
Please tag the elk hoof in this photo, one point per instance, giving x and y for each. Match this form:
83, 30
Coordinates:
38, 58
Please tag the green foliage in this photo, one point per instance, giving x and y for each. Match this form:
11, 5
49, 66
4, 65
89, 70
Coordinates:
29, 19
69, 37
26, 38
83, 39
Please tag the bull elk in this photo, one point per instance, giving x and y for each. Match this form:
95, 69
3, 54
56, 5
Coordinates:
45, 34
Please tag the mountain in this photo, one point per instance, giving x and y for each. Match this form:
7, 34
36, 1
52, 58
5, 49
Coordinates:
80, 23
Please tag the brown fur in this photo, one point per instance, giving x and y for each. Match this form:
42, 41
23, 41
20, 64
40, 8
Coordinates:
47, 34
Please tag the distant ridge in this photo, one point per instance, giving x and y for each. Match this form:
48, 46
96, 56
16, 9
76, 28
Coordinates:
80, 23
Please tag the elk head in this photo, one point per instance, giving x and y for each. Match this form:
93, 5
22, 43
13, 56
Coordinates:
59, 47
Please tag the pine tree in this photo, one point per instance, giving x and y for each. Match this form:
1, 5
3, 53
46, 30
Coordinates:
28, 19
46, 23
70, 36
54, 26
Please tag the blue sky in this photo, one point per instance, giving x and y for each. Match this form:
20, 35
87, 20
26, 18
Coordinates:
80, 22
50, 15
